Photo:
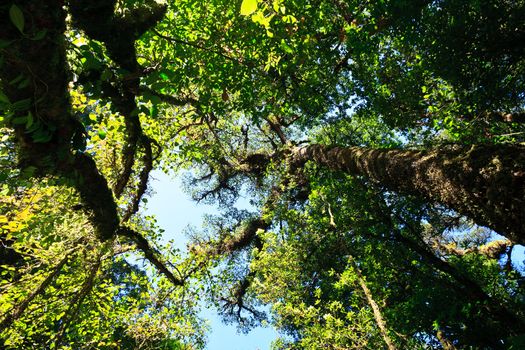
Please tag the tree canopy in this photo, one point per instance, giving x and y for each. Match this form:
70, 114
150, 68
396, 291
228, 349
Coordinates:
381, 146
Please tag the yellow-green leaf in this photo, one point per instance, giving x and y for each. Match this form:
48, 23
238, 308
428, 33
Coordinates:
17, 17
248, 7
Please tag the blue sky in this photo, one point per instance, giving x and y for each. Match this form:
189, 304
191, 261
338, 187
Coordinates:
175, 211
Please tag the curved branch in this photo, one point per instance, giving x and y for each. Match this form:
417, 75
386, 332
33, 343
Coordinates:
150, 253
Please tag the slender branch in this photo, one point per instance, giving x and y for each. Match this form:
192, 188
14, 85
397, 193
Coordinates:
75, 304
172, 100
514, 323
133, 134
17, 311
142, 186
381, 323
197, 46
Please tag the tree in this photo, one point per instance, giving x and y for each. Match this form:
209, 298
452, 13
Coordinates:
477, 181
96, 94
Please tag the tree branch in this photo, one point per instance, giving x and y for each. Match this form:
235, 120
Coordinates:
150, 253
75, 304
17, 311
484, 182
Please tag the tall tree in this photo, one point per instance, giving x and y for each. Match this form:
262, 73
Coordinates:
417, 102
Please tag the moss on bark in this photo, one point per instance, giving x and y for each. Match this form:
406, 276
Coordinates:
483, 182
48, 148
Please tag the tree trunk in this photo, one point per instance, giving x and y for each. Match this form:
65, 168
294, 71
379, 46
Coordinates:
45, 129
444, 341
483, 182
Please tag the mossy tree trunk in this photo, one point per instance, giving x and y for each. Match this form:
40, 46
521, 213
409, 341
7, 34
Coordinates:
483, 182
35, 77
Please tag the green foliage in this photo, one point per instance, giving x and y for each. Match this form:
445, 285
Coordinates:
125, 305
248, 7
225, 92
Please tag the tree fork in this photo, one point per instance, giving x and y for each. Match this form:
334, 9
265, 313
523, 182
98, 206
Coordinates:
483, 182
499, 311
100, 21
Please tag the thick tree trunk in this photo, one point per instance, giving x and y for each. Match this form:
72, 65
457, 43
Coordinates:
483, 182
34, 56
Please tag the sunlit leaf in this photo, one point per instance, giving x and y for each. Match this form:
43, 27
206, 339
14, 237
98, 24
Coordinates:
248, 7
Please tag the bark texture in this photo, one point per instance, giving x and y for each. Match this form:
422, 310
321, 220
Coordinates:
35, 76
483, 182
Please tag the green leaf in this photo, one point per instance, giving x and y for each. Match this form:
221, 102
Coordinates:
248, 7
4, 98
34, 126
30, 120
28, 171
17, 17
286, 47
4, 44
102, 134
17, 80
40, 35
154, 111
24, 83
21, 105
19, 120
41, 136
